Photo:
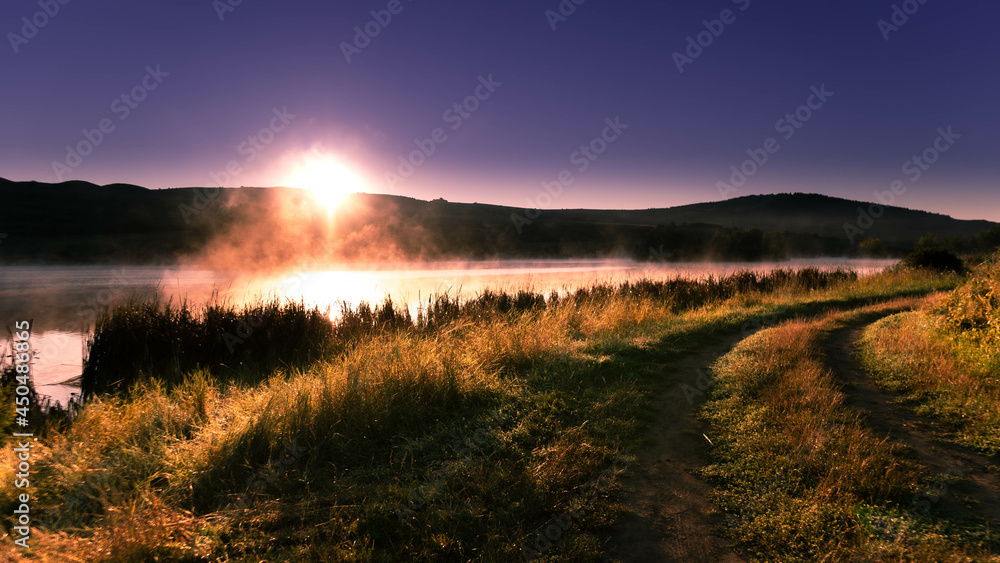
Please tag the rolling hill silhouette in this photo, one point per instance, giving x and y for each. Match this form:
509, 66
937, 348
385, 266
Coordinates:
80, 222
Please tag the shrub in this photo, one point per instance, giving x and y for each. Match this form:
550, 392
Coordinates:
975, 306
934, 259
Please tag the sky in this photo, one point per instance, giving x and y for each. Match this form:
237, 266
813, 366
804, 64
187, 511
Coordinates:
540, 104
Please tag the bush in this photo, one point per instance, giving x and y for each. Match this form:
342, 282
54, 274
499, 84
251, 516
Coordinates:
975, 306
872, 247
935, 259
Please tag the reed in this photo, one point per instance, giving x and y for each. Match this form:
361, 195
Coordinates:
455, 436
163, 340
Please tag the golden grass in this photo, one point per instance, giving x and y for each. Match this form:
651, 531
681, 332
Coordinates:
313, 463
803, 476
912, 353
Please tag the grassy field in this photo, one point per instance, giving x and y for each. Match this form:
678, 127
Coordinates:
803, 475
493, 429
945, 359
801, 469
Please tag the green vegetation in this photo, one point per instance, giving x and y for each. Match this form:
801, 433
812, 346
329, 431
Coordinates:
459, 435
804, 476
872, 247
944, 358
973, 310
931, 254
142, 340
139, 341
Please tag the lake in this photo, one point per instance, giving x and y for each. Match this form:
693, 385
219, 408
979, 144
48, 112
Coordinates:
63, 301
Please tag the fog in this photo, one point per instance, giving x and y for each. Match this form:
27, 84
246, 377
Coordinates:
63, 301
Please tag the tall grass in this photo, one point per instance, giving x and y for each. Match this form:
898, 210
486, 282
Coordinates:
973, 309
455, 437
143, 339
802, 476
945, 358
910, 354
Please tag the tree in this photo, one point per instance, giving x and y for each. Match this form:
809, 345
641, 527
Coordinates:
931, 254
871, 247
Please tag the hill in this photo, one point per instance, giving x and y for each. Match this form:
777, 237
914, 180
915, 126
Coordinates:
821, 215
79, 222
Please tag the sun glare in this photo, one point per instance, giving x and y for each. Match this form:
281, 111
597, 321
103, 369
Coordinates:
327, 177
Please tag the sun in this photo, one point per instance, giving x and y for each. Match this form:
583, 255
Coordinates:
328, 177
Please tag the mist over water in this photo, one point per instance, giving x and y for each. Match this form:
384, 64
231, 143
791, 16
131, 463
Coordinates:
414, 283
64, 301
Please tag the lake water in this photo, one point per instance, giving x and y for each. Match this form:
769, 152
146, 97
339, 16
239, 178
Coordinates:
63, 301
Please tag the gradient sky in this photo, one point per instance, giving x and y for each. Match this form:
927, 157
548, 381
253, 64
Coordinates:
608, 59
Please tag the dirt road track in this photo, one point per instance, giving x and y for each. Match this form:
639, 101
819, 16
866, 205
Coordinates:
976, 494
669, 516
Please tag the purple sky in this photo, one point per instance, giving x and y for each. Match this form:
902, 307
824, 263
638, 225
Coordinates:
542, 95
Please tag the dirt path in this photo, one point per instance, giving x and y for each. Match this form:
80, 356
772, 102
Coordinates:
975, 492
668, 515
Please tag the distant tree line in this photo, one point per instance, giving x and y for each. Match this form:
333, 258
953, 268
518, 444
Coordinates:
78, 222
